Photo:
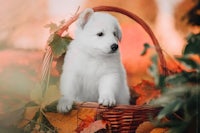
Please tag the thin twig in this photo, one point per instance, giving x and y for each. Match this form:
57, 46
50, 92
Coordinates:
40, 124
48, 76
177, 116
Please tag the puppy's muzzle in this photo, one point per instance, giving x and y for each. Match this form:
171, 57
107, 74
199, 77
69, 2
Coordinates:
114, 47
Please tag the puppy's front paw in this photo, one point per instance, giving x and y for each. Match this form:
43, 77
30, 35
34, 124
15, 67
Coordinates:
64, 105
107, 101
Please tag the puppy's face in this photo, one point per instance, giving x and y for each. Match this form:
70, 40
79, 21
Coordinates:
98, 32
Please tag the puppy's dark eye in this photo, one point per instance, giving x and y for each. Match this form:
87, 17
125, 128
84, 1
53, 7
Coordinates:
115, 34
100, 34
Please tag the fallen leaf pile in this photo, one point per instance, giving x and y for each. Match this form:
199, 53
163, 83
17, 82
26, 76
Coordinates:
78, 120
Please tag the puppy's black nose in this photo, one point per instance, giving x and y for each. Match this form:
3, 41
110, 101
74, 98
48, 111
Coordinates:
114, 47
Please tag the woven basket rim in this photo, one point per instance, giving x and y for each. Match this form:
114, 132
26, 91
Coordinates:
117, 107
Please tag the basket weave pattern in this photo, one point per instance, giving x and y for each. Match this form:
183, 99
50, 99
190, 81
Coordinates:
123, 118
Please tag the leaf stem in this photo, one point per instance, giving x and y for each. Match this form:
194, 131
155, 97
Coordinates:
177, 116
48, 76
32, 121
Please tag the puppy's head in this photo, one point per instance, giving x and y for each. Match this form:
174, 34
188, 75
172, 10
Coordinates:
98, 32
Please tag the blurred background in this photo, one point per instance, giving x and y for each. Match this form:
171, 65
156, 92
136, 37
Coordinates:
23, 38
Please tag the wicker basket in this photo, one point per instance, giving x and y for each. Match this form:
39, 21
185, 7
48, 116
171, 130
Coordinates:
122, 118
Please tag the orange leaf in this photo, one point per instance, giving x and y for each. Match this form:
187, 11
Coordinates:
95, 126
85, 123
145, 127
28, 115
159, 130
68, 123
146, 91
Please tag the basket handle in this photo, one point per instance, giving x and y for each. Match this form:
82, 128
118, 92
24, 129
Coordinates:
135, 18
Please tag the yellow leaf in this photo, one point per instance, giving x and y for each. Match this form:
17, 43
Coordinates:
52, 94
36, 94
68, 123
28, 115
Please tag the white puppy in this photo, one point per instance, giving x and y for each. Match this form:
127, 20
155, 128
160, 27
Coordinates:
92, 69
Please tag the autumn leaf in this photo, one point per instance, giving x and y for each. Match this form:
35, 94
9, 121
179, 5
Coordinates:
28, 115
146, 91
68, 123
95, 126
145, 127
85, 123
159, 130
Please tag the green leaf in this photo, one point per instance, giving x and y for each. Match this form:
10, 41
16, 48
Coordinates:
183, 77
162, 101
188, 62
170, 108
59, 44
146, 47
193, 46
177, 79
192, 106
178, 91
154, 72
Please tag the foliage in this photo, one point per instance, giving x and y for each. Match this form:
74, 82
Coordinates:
146, 91
146, 47
193, 44
44, 94
30, 115
40, 114
57, 42
180, 95
193, 15
180, 92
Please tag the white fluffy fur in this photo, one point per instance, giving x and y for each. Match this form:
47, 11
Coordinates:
91, 72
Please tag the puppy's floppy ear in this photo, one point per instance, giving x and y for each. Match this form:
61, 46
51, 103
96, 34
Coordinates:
84, 17
118, 32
